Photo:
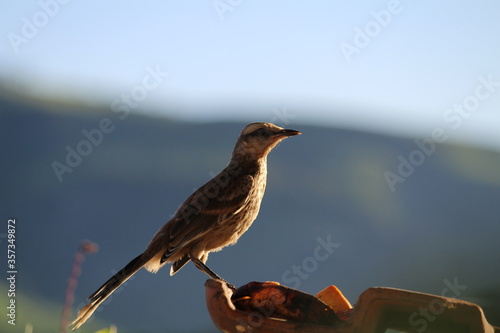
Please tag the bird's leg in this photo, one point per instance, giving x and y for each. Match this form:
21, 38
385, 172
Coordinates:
204, 268
201, 266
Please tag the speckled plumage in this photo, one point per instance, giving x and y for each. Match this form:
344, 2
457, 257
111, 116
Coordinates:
211, 218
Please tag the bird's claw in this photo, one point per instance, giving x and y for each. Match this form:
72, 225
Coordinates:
230, 286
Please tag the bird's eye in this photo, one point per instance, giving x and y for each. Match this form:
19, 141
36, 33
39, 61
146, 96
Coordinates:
260, 132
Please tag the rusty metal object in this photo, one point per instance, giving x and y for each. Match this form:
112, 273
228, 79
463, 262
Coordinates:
271, 308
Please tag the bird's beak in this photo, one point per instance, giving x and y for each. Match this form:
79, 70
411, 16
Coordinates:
287, 132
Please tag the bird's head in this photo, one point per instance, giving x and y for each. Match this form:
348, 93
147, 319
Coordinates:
258, 139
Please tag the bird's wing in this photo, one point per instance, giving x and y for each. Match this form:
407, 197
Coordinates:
211, 203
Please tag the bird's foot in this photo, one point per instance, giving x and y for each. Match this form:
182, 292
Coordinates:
230, 286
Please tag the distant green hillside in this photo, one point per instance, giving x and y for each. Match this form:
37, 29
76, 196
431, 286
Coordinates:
42, 314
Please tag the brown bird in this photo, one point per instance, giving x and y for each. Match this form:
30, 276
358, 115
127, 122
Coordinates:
211, 218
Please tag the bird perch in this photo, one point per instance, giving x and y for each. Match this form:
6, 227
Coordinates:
270, 308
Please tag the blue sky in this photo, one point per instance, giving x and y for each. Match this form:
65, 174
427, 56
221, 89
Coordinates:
392, 66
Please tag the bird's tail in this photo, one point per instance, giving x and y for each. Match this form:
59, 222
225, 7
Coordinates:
107, 289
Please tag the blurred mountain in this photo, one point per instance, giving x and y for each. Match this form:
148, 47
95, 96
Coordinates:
114, 178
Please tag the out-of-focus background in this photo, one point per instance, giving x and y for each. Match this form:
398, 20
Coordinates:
112, 113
